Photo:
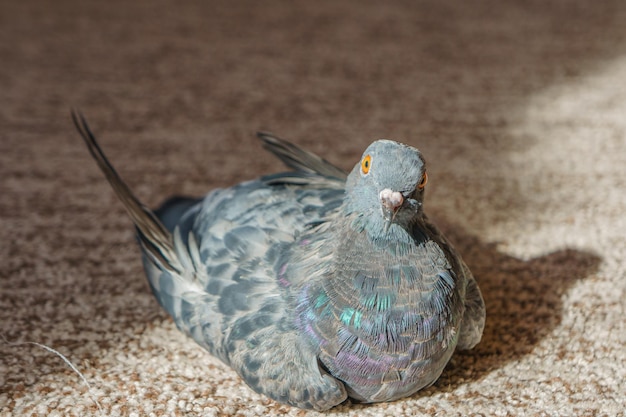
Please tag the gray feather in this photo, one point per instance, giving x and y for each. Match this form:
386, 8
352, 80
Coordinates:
299, 159
154, 237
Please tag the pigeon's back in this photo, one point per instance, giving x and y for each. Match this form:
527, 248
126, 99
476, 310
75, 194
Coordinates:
234, 241
215, 265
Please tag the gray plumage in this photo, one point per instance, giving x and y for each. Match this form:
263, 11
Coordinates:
313, 285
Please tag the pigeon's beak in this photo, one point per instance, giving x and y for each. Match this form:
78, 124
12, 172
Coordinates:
390, 201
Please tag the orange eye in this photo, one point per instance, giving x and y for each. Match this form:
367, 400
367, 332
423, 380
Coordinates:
423, 182
366, 164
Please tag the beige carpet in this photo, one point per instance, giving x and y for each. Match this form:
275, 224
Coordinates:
519, 108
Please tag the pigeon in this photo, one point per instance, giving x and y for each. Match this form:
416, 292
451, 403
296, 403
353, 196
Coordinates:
315, 285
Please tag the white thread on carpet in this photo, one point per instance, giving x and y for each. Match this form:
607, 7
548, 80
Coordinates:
67, 361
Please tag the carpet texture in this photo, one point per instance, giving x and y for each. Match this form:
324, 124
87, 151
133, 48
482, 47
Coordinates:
518, 107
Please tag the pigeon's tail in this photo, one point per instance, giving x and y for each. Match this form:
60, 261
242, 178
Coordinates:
154, 237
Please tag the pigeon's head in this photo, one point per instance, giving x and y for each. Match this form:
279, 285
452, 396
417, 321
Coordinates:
387, 185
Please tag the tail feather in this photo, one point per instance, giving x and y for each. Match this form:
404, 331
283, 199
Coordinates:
300, 159
155, 239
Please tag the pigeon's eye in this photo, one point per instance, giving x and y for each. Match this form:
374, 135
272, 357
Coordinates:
423, 182
366, 163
